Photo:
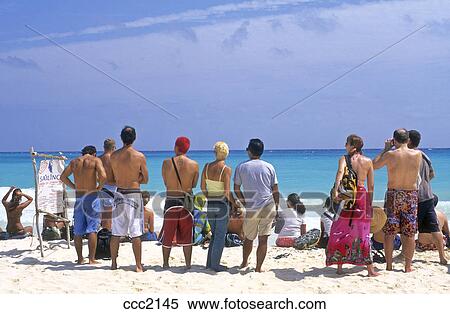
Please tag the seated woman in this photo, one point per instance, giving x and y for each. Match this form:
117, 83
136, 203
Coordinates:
236, 221
326, 220
425, 240
293, 223
14, 209
149, 219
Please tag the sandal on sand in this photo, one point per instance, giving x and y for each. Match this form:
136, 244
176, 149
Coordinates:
284, 255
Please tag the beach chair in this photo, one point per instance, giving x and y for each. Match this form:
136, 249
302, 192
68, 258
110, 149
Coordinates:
50, 193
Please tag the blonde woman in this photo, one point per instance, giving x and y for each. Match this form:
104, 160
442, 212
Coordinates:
215, 184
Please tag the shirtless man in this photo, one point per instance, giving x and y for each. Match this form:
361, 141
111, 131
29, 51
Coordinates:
14, 210
401, 202
129, 168
107, 194
177, 218
89, 176
364, 171
427, 221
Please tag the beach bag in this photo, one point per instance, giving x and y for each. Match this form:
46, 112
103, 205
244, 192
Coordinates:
232, 240
347, 190
201, 226
149, 236
378, 257
308, 240
64, 233
103, 241
50, 234
348, 186
4, 235
188, 200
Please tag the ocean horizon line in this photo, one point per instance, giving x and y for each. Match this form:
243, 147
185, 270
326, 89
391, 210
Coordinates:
231, 150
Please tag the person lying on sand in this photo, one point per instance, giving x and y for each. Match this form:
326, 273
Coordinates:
425, 241
14, 209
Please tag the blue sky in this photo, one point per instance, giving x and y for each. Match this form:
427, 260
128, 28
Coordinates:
225, 68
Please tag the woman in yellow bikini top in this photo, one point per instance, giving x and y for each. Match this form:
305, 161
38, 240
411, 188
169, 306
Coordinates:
215, 188
219, 203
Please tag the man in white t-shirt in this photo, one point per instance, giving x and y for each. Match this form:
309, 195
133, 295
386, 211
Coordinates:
260, 196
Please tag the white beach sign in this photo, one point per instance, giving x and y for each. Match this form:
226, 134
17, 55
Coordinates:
50, 187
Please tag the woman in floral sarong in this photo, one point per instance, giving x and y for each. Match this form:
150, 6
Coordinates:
349, 241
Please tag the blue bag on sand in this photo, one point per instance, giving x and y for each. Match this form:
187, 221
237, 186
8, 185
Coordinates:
149, 236
232, 240
4, 235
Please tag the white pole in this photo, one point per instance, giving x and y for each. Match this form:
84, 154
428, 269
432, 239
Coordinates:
36, 183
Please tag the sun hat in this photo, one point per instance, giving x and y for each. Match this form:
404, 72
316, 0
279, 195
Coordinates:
378, 220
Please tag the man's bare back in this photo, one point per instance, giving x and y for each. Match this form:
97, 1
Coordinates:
403, 166
129, 168
188, 170
85, 171
106, 160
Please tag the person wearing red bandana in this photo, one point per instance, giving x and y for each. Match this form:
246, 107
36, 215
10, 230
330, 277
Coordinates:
180, 175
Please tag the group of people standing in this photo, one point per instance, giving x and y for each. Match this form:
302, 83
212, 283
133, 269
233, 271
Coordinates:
114, 179
116, 176
409, 204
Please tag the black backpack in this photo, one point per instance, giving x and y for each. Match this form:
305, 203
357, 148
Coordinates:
103, 241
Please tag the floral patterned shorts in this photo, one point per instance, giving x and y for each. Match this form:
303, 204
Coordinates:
401, 211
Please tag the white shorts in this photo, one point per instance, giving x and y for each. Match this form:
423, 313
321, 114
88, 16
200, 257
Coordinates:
128, 214
107, 199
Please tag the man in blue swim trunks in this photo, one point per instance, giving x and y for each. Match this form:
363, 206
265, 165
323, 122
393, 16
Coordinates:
89, 176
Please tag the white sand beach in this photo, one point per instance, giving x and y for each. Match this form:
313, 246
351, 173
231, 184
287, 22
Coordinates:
22, 270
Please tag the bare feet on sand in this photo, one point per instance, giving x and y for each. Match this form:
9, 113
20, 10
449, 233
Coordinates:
81, 261
243, 265
259, 270
166, 266
139, 269
443, 262
113, 266
409, 269
371, 271
93, 262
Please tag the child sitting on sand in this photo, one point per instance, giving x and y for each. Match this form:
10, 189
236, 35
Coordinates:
292, 220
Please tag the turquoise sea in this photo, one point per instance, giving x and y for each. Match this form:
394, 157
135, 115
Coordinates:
298, 170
